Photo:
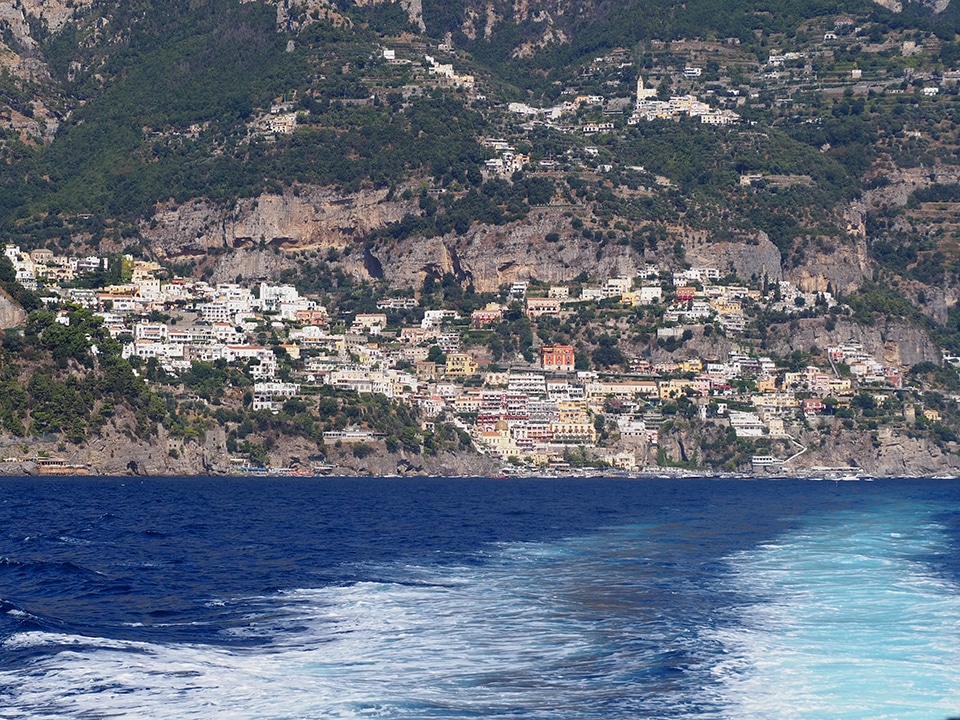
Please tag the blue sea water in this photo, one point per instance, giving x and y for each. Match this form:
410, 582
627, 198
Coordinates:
456, 598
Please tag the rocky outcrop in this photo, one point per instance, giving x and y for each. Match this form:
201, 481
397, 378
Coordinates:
751, 258
11, 314
18, 468
54, 13
892, 342
900, 182
886, 452
313, 218
490, 256
115, 452
844, 268
291, 14
304, 218
250, 265
13, 18
891, 5
938, 6
381, 462
20, 56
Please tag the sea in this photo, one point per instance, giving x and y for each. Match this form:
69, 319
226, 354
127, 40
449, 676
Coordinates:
283, 598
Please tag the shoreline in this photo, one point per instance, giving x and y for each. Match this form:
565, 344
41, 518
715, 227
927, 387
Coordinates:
599, 474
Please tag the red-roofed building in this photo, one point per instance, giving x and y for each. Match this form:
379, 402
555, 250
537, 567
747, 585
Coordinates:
492, 313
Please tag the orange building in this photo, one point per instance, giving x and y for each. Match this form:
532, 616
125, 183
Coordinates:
559, 358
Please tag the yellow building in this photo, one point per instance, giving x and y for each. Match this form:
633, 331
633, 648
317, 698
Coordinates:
500, 441
461, 365
767, 385
675, 388
725, 305
841, 386
581, 432
572, 411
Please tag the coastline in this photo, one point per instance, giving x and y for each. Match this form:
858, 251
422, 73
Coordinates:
30, 470
114, 453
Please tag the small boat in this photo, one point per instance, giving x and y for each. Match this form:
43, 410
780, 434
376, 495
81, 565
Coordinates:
848, 478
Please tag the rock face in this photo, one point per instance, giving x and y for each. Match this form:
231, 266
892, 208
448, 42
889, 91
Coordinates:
20, 57
54, 13
885, 453
902, 182
755, 257
938, 6
844, 268
116, 453
894, 342
250, 264
12, 16
380, 463
491, 256
327, 10
306, 218
314, 218
11, 314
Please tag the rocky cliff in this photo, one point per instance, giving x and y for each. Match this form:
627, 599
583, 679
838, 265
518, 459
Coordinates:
886, 451
304, 218
20, 57
292, 13
116, 452
893, 342
313, 218
11, 314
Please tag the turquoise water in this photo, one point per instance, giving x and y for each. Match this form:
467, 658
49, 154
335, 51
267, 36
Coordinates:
850, 621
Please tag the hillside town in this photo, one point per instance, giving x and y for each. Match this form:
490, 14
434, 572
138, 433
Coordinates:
541, 411
653, 328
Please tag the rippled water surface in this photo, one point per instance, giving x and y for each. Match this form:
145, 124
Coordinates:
435, 598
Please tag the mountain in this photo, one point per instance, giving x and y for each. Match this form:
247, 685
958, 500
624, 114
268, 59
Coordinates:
449, 150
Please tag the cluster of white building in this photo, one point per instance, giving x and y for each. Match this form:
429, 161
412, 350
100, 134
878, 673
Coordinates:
43, 265
509, 160
534, 415
446, 71
865, 368
649, 108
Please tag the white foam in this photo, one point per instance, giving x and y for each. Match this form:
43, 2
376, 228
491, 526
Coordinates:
849, 623
458, 641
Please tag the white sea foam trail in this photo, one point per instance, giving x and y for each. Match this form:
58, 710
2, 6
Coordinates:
850, 622
843, 618
502, 639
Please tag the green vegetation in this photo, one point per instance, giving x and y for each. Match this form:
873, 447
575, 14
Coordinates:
70, 379
167, 102
166, 113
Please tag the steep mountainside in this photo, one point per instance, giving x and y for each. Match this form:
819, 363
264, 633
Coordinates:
805, 150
